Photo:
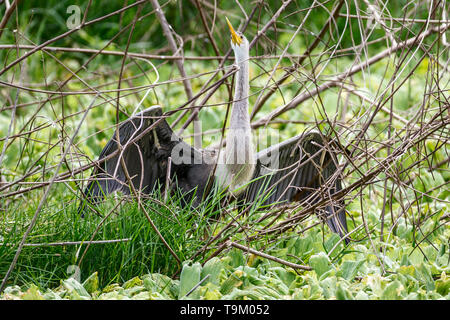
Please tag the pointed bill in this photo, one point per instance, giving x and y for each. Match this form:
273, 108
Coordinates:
234, 36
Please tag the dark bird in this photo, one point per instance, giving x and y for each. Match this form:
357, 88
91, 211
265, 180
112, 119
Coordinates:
291, 171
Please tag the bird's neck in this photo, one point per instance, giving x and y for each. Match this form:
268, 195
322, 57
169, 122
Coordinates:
237, 163
239, 112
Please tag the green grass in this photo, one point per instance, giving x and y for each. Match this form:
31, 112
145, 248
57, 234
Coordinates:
181, 226
138, 269
414, 260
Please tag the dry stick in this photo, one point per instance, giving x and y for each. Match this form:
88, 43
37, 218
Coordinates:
363, 181
96, 231
74, 74
7, 15
385, 191
418, 38
133, 25
336, 81
140, 55
260, 102
275, 67
37, 48
136, 193
43, 199
208, 32
114, 153
398, 20
166, 187
252, 43
65, 34
376, 14
389, 112
147, 216
211, 37
206, 98
187, 85
70, 243
67, 93
13, 116
265, 255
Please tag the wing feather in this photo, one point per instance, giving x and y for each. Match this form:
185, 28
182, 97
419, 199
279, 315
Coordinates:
293, 171
145, 153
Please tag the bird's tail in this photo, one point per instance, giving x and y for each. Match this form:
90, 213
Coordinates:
335, 216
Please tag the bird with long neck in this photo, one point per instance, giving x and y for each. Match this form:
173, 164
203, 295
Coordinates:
236, 165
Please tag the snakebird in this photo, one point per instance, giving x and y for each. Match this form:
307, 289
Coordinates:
149, 151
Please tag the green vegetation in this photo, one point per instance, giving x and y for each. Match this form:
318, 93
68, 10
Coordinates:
339, 272
398, 219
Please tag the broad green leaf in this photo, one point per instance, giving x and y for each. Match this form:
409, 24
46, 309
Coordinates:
210, 292
189, 278
393, 291
32, 293
156, 282
320, 263
423, 274
136, 281
443, 284
212, 268
233, 281
75, 290
331, 241
350, 268
342, 292
91, 283
237, 258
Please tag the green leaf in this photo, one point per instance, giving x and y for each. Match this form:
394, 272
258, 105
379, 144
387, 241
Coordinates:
329, 287
288, 276
342, 293
320, 263
349, 268
32, 294
91, 283
443, 284
237, 258
407, 270
156, 282
393, 291
212, 268
136, 281
189, 278
233, 281
210, 292
332, 240
75, 290
423, 274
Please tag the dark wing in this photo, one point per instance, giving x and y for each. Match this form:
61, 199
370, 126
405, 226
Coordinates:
147, 143
293, 171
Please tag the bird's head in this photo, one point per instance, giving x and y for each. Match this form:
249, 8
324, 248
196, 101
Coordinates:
239, 42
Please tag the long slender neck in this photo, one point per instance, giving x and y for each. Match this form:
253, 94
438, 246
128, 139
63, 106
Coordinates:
237, 163
239, 112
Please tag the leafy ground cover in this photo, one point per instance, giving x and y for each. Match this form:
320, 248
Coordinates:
400, 270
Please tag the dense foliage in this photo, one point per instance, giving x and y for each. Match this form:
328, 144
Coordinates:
398, 220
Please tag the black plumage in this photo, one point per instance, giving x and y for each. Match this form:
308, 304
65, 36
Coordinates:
299, 167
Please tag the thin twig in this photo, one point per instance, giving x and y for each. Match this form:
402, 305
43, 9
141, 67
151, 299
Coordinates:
266, 256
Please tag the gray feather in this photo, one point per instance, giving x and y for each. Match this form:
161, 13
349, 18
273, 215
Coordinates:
304, 165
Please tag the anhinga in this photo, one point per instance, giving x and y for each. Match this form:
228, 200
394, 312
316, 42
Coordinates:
302, 165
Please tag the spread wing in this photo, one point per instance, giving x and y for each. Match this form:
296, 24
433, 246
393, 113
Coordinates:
294, 171
146, 143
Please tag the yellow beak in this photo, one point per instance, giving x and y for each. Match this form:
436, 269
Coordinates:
234, 37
